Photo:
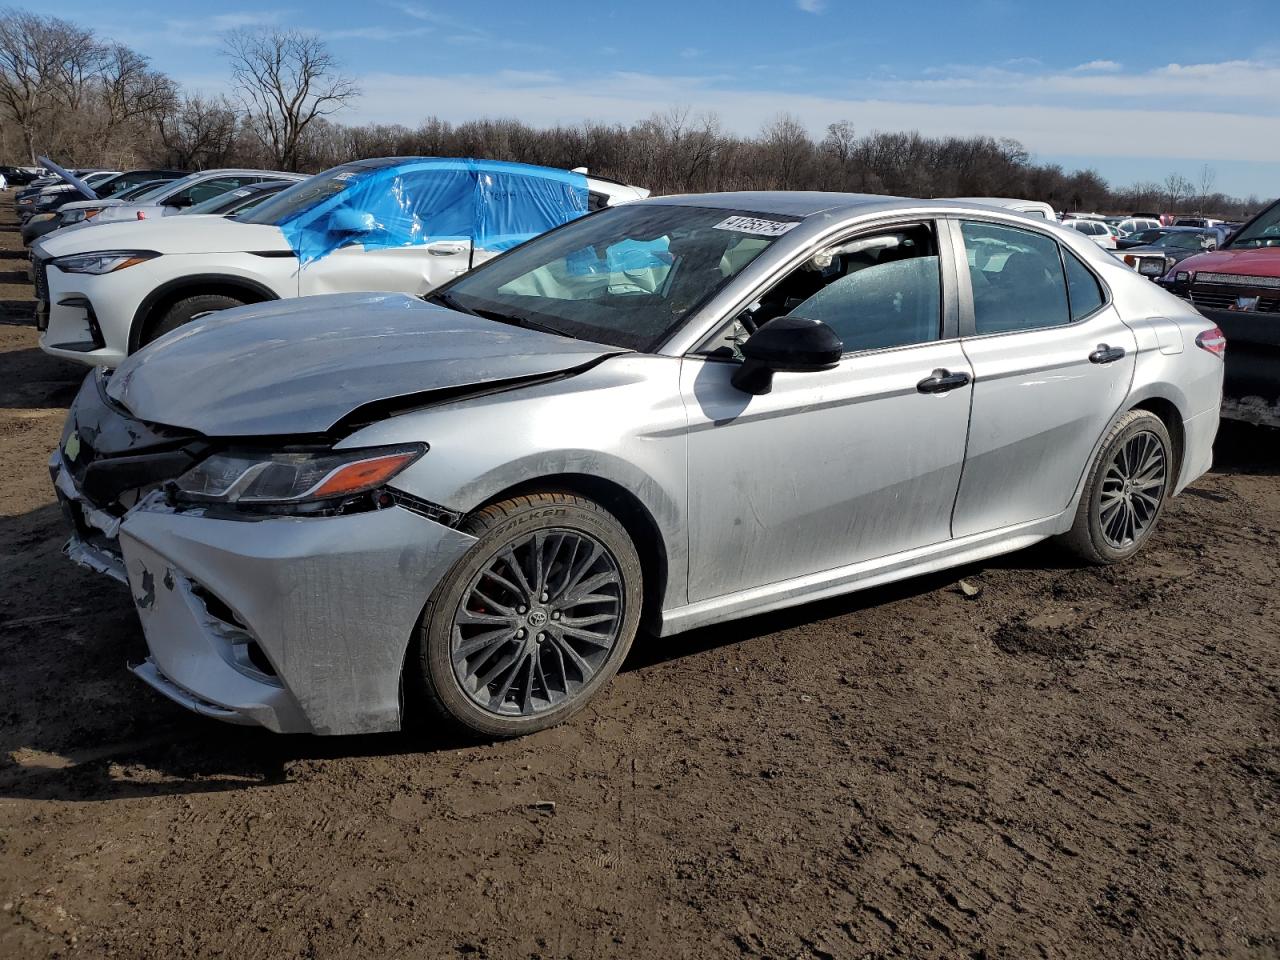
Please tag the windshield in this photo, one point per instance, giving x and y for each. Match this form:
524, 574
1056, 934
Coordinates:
304, 195
1262, 232
218, 202
153, 192
627, 276
1148, 236
1182, 241
133, 193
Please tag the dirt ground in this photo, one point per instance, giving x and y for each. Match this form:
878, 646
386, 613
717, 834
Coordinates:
1074, 763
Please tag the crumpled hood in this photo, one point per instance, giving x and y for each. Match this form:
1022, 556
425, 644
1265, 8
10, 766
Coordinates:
1262, 262
174, 235
300, 366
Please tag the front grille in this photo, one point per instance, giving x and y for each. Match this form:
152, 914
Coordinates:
1224, 300
42, 278
1238, 279
40, 271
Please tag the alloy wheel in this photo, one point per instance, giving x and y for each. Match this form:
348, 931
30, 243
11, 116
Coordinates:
1133, 489
537, 623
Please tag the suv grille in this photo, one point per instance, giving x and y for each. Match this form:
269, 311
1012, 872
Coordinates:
1226, 300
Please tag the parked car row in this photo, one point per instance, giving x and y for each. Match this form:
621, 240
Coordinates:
1237, 285
469, 489
127, 274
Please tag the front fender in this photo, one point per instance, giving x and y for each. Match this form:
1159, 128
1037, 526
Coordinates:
622, 421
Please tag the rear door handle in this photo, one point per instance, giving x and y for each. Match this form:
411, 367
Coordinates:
1106, 354
940, 381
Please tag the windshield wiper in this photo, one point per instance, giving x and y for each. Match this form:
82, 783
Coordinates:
512, 319
445, 300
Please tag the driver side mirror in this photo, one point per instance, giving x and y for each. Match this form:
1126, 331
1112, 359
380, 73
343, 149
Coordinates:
352, 222
786, 344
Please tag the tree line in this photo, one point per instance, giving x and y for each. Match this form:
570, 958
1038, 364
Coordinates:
66, 93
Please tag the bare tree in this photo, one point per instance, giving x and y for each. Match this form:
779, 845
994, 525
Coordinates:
287, 80
1176, 189
839, 141
199, 132
131, 90
785, 150
1208, 176
44, 62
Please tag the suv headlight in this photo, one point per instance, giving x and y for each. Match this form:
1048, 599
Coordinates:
252, 478
103, 261
78, 216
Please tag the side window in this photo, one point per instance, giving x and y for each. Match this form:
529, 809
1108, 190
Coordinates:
199, 192
1082, 286
1017, 278
875, 291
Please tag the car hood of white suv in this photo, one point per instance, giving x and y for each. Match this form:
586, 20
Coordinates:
206, 233
303, 366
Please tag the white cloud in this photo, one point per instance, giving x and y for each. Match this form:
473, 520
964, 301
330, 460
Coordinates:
812, 6
375, 33
1097, 66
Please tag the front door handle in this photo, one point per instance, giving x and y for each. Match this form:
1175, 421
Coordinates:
444, 249
1106, 354
940, 381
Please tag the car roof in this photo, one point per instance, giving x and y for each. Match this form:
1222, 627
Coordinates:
790, 203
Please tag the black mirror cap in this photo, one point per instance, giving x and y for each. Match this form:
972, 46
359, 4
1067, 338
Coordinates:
791, 344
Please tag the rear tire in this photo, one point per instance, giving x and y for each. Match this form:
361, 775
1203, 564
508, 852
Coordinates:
1125, 492
184, 311
502, 650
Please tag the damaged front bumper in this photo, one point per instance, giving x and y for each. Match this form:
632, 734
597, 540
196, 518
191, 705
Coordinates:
297, 625
93, 543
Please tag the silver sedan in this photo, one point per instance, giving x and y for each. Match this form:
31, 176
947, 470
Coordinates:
334, 510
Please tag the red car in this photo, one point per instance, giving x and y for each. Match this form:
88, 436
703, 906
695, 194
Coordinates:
1238, 287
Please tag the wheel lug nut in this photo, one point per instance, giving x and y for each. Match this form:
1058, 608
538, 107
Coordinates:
555, 615
544, 598
541, 637
522, 609
520, 634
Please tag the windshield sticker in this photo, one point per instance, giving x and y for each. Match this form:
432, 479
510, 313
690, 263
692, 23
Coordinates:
763, 228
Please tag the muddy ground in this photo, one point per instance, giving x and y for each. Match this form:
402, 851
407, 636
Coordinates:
1074, 763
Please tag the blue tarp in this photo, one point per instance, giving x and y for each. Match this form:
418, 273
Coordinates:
493, 204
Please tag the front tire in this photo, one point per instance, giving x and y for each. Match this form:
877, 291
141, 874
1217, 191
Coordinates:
1126, 490
534, 621
184, 311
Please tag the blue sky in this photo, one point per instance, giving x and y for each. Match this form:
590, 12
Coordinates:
1135, 90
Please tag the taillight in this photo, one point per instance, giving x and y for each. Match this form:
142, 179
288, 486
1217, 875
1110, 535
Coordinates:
1212, 340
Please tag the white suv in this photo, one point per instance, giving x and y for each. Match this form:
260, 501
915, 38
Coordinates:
107, 289
1133, 225
1095, 230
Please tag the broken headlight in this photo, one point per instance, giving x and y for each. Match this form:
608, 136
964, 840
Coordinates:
104, 261
251, 478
